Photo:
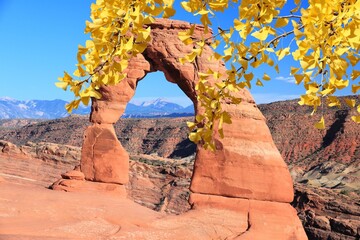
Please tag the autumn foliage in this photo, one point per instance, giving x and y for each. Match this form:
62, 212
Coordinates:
322, 36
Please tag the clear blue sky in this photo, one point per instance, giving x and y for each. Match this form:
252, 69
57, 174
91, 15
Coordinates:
39, 41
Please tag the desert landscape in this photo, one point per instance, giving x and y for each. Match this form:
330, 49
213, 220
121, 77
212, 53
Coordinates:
116, 174
35, 153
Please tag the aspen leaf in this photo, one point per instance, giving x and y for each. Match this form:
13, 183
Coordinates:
321, 124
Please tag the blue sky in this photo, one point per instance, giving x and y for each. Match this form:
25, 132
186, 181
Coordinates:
39, 41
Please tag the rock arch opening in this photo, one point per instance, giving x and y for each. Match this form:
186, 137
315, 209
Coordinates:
163, 109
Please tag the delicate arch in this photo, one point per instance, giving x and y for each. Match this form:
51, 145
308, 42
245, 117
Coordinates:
246, 165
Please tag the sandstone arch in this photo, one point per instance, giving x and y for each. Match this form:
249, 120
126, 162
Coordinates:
246, 173
248, 164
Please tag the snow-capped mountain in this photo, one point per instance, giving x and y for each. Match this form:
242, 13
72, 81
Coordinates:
50, 109
39, 109
156, 108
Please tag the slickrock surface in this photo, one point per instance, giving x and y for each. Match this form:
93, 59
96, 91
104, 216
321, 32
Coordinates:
36, 213
163, 185
30, 211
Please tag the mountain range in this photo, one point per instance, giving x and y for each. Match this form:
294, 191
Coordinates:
52, 109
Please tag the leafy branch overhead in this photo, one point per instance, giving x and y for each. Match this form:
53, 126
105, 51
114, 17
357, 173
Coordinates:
322, 36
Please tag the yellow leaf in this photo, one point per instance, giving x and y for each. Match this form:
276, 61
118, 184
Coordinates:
169, 12
140, 47
186, 6
293, 70
202, 12
62, 85
356, 119
350, 102
295, 9
262, 34
266, 77
238, 25
355, 74
195, 137
321, 124
297, 54
226, 118
298, 78
191, 57
94, 93
355, 88
339, 84
85, 100
333, 101
191, 125
80, 72
353, 60
277, 68
218, 5
259, 83
312, 88
249, 76
327, 91
281, 22
282, 53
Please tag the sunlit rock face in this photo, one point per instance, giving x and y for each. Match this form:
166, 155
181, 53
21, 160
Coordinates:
245, 173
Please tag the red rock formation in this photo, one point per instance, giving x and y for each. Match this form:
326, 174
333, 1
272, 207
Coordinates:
246, 167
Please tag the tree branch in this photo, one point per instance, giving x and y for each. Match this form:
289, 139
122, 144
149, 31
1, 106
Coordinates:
288, 16
283, 35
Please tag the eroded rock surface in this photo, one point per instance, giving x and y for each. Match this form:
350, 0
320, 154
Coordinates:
163, 185
246, 163
327, 214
